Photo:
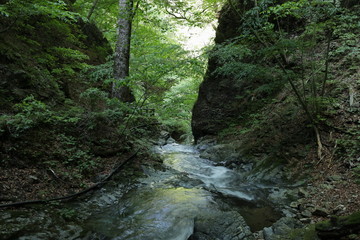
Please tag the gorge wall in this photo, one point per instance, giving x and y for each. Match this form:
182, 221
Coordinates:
231, 87
247, 72
217, 103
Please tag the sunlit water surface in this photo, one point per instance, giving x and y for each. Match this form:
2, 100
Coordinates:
163, 206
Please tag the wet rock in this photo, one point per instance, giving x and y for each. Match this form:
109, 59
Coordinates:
294, 204
288, 213
215, 224
164, 134
217, 153
269, 175
259, 235
281, 228
231, 164
170, 140
268, 233
106, 200
204, 143
278, 196
284, 224
306, 213
299, 183
245, 167
303, 193
161, 142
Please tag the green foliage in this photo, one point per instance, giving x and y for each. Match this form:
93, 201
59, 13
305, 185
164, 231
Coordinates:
348, 148
191, 12
265, 26
289, 8
102, 74
74, 154
175, 111
249, 122
68, 55
94, 99
45, 55
347, 30
72, 136
26, 9
159, 66
30, 113
67, 213
230, 52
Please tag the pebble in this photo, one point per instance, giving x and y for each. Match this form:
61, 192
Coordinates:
334, 178
288, 213
294, 204
306, 213
34, 179
327, 186
338, 209
303, 193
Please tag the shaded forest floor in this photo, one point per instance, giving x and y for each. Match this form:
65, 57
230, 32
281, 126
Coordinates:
333, 188
281, 133
39, 183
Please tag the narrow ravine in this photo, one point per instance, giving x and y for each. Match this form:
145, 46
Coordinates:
191, 199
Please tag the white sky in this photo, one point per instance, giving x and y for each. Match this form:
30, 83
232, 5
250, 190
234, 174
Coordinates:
195, 38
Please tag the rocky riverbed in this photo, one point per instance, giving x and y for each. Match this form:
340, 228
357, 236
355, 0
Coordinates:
210, 191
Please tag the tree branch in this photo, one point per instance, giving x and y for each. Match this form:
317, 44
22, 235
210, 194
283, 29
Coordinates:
95, 2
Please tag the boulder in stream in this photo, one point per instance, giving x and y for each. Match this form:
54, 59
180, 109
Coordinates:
215, 224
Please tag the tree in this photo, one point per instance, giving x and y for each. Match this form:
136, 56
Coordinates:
92, 9
122, 52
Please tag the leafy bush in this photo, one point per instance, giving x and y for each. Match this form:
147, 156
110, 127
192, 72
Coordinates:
94, 99
30, 112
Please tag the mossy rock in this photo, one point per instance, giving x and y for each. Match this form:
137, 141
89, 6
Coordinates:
307, 233
338, 227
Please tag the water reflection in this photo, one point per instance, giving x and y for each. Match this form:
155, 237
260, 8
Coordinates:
165, 205
153, 214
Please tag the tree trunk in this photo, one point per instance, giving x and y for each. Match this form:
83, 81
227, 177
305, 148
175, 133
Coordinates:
95, 2
122, 52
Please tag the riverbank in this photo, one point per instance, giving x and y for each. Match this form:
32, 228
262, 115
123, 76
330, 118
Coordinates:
309, 191
244, 191
39, 183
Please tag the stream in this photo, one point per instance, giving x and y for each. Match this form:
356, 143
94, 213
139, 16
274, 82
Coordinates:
191, 199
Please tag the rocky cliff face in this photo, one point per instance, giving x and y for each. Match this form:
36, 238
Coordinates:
244, 75
218, 101
44, 58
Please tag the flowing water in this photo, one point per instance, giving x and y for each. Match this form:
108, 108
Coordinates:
178, 203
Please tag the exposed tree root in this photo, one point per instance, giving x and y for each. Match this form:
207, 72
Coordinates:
75, 195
